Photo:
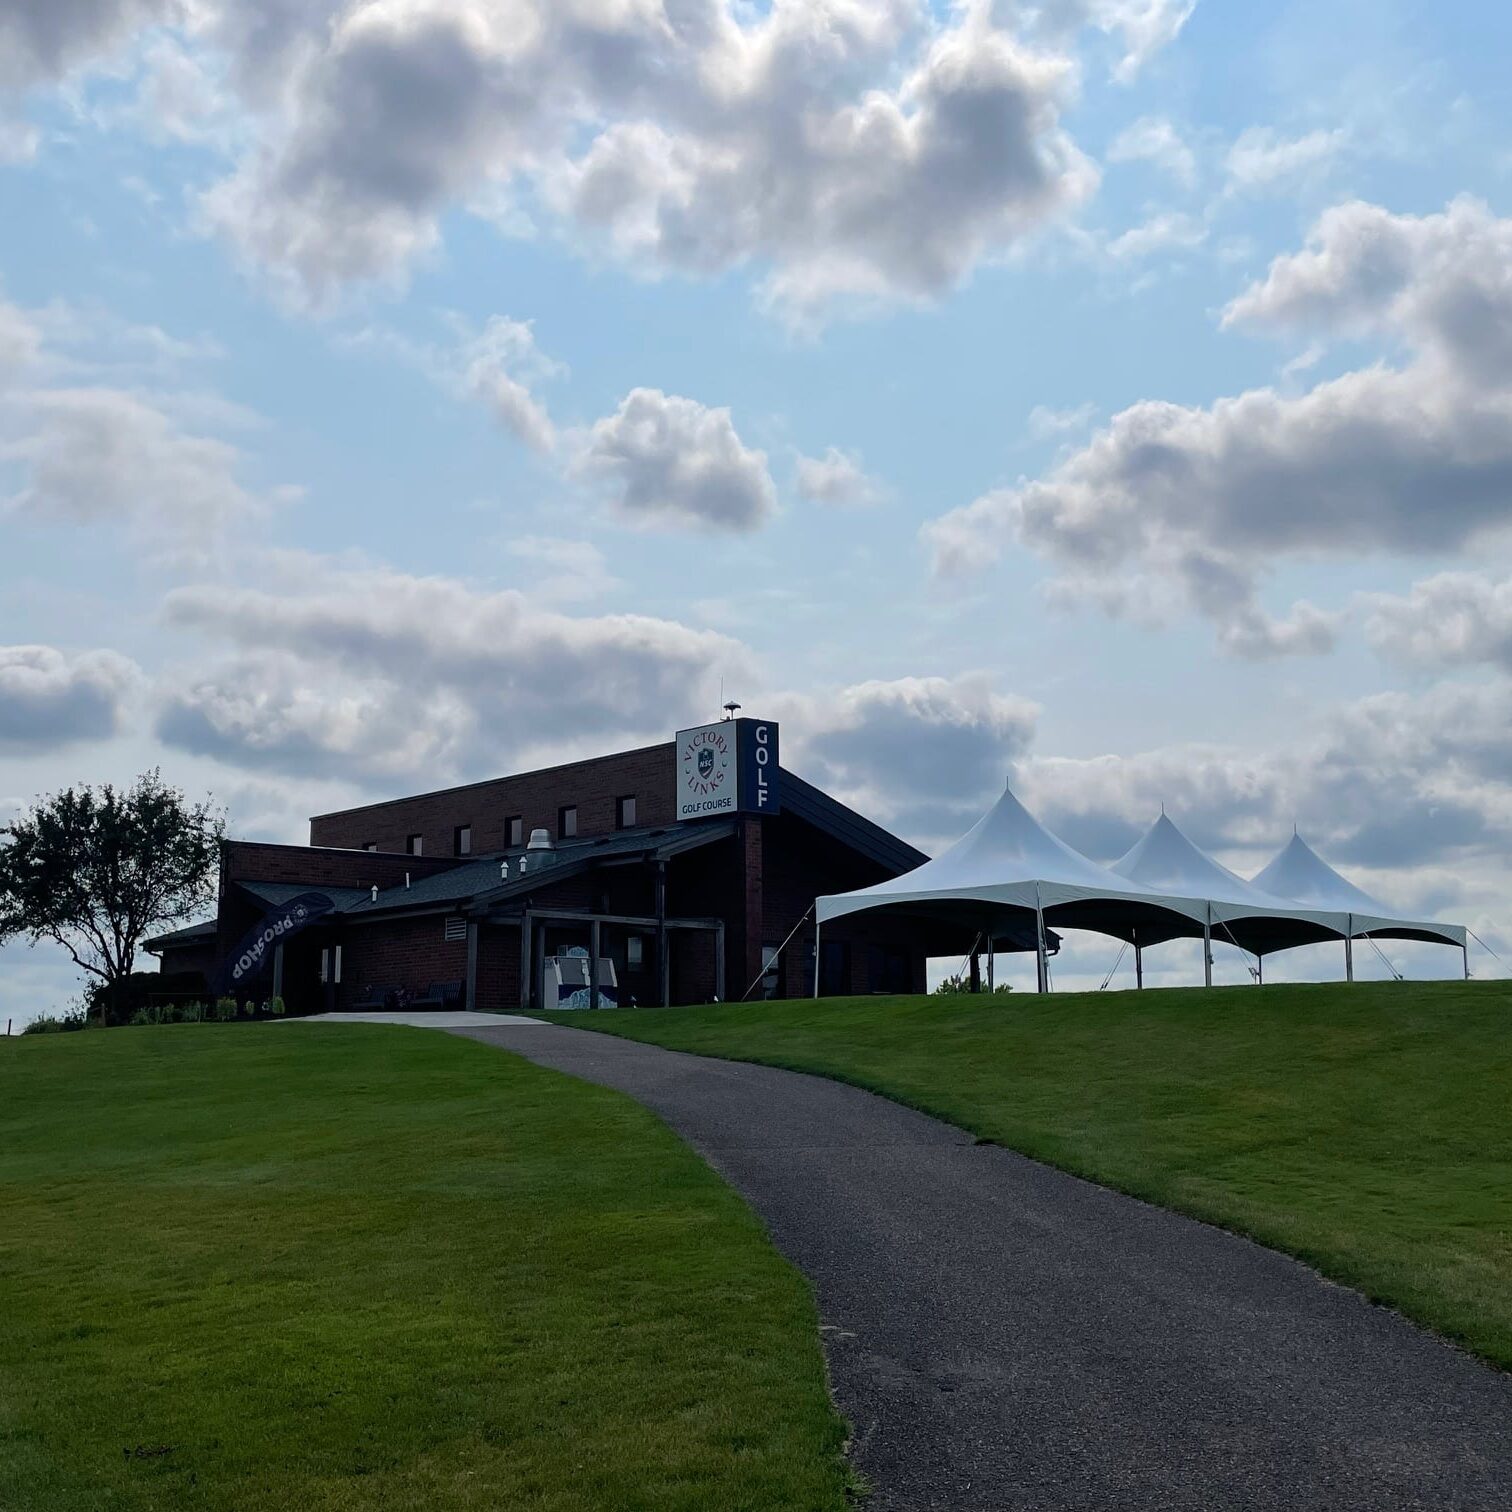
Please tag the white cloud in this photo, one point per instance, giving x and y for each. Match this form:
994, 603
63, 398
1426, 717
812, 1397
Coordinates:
1206, 500
1451, 619
1168, 229
498, 365
1262, 159
49, 699
1143, 27
922, 754
370, 674
1153, 139
835, 478
42, 41
1045, 422
672, 462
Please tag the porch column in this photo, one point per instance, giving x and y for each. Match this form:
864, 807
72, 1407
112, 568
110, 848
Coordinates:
720, 989
663, 965
818, 958
525, 964
278, 969
470, 1002
593, 964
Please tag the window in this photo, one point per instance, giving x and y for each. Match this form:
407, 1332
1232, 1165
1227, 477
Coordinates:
514, 830
635, 953
413, 844
462, 840
567, 822
330, 966
456, 928
624, 812
370, 845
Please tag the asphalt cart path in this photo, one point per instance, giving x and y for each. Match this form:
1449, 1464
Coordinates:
1002, 1335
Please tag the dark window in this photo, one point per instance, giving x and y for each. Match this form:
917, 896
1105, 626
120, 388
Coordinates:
514, 830
462, 840
413, 844
624, 812
635, 953
567, 822
370, 845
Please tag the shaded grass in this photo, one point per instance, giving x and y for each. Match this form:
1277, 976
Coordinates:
332, 1267
1365, 1128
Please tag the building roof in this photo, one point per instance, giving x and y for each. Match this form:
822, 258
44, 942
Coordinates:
191, 934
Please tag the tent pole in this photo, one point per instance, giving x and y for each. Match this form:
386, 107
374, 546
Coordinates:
1138, 959
817, 957
1259, 971
1465, 951
1207, 948
976, 967
991, 962
1041, 965
1349, 948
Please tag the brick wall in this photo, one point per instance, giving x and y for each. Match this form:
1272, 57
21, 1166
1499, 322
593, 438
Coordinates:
647, 775
410, 953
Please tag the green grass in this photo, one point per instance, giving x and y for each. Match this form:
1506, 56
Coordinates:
1365, 1128
308, 1267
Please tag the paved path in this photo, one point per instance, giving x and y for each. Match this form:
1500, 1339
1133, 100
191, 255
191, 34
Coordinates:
1002, 1335
420, 1018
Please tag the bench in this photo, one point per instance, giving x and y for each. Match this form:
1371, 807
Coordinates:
388, 995
439, 995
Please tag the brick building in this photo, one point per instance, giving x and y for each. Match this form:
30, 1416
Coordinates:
692, 866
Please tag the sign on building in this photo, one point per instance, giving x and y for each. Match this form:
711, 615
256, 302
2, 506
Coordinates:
727, 768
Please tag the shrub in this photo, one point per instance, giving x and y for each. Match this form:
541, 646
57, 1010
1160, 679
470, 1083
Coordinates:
58, 1023
954, 986
276, 1008
225, 1009
138, 991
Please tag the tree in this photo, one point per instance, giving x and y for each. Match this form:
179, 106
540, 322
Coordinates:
96, 869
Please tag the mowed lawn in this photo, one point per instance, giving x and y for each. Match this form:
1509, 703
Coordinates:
1365, 1128
319, 1267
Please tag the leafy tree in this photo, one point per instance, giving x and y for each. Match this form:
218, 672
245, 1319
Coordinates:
97, 869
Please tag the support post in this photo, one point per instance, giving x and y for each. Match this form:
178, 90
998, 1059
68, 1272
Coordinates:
663, 964
594, 941
278, 970
1138, 960
1042, 966
818, 957
1207, 948
721, 991
1259, 971
525, 961
1465, 951
976, 969
991, 963
1349, 947
470, 1002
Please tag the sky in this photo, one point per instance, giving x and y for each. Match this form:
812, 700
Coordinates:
1110, 395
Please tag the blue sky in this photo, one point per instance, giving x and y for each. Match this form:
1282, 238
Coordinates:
1115, 392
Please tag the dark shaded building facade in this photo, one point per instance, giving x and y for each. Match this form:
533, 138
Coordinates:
691, 865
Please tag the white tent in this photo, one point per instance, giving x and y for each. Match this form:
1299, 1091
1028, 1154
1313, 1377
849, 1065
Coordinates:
1248, 916
1297, 871
1008, 870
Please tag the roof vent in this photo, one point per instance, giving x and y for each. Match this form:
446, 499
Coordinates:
540, 839
375, 892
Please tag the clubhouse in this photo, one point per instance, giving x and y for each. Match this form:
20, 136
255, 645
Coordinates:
677, 873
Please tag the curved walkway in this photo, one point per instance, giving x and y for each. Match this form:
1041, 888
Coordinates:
1002, 1335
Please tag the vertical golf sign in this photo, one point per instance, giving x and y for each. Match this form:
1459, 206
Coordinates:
728, 768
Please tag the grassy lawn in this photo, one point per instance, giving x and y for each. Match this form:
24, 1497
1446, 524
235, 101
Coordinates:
1366, 1128
310, 1267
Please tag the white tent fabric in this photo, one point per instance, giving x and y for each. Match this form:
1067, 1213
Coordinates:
1297, 871
1008, 857
1165, 887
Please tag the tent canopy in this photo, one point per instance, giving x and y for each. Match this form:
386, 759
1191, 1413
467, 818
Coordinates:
1008, 865
1298, 871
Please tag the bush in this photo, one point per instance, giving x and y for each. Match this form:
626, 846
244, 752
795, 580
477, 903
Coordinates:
954, 986
58, 1023
275, 1008
142, 989
225, 1009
